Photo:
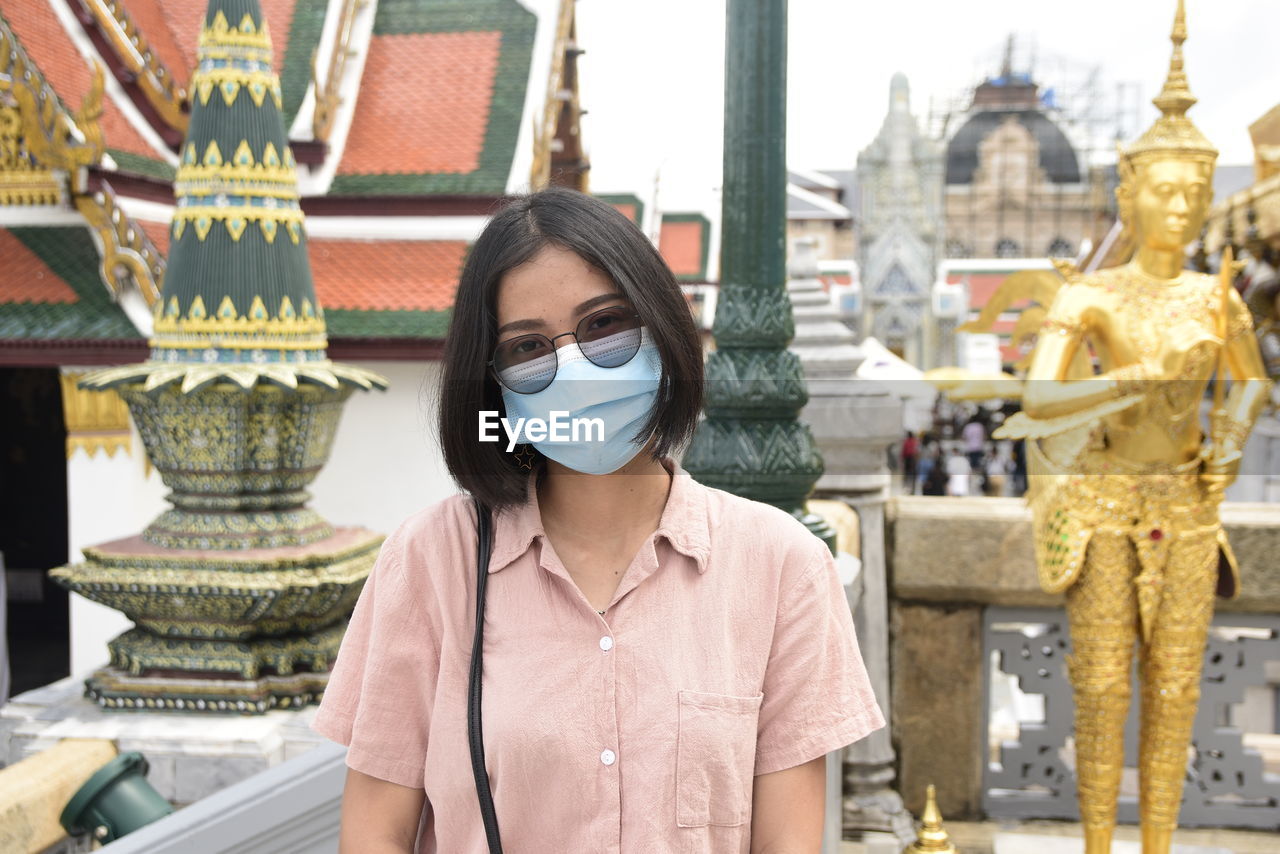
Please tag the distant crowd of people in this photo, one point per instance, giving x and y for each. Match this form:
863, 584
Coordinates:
961, 460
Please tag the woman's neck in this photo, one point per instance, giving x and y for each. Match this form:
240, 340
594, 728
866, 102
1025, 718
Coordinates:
608, 508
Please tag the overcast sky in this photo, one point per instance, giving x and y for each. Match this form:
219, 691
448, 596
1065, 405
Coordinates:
653, 75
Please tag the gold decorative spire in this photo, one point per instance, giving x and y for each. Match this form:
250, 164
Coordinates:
933, 837
1176, 97
1173, 131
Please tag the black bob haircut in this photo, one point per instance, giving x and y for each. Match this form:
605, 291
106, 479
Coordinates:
607, 240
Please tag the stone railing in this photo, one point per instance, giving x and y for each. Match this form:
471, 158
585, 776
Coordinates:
949, 560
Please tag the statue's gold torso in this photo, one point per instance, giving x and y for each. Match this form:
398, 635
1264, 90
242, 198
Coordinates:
1130, 313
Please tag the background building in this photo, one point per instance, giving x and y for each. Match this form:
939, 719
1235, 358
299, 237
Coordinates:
900, 205
1017, 186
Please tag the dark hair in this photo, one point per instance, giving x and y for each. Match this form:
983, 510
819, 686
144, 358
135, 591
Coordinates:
607, 240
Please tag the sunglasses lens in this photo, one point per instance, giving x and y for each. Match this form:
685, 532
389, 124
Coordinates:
526, 364
610, 337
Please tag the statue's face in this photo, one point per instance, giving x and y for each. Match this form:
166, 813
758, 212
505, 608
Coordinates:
1171, 201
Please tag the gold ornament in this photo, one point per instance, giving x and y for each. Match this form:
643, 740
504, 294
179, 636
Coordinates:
933, 838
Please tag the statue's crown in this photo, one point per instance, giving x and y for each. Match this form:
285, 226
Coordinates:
1173, 132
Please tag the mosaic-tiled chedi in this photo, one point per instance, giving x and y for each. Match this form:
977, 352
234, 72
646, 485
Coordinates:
239, 591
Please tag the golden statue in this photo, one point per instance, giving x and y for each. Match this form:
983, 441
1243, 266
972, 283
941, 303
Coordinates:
1126, 486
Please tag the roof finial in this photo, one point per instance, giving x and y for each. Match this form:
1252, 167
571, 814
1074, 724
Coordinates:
1006, 70
933, 838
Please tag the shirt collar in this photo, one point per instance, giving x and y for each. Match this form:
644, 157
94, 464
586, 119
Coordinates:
683, 524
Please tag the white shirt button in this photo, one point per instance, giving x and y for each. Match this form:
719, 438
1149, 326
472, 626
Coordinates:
608, 757
606, 643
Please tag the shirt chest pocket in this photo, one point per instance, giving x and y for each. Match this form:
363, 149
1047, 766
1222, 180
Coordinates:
715, 758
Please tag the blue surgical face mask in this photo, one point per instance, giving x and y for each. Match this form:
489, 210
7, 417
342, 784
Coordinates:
621, 398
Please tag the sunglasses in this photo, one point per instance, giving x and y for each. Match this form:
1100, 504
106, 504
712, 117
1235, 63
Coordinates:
608, 338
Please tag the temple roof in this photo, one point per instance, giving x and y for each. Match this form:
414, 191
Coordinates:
433, 99
48, 44
684, 241
441, 99
435, 105
386, 289
52, 290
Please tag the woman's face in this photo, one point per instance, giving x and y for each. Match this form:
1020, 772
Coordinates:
550, 293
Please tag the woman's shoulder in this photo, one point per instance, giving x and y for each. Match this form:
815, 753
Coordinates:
762, 528
438, 535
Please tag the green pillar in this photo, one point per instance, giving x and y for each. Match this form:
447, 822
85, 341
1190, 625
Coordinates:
752, 443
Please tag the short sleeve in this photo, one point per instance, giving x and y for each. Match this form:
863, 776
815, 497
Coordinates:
817, 697
377, 701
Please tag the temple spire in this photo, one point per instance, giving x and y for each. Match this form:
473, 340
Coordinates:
238, 301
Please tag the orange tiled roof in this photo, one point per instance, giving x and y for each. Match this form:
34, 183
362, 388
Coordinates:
158, 233
51, 49
172, 27
27, 278
371, 275
424, 104
384, 275
981, 285
681, 246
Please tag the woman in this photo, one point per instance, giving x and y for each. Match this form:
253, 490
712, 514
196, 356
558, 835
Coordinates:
665, 665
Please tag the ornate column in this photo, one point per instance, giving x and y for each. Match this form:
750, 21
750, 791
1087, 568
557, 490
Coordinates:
751, 443
854, 421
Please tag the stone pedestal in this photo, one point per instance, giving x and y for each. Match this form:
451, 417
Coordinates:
1030, 843
191, 755
218, 630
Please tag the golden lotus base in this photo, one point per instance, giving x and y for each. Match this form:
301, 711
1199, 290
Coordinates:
115, 690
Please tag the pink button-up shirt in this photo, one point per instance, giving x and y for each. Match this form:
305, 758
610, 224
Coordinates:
727, 651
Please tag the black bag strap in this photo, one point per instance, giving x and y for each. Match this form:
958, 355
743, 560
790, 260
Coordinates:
475, 732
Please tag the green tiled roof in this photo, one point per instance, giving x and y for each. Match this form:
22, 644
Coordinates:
351, 323
506, 109
137, 164
69, 252
304, 39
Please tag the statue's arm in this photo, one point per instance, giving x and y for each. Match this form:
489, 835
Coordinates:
1047, 392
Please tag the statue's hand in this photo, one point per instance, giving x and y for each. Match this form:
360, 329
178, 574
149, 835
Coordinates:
1220, 469
1183, 349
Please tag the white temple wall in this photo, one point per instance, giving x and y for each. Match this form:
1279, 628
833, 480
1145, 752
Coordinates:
108, 498
386, 462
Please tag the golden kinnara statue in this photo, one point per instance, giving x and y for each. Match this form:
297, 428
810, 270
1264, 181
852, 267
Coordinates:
1125, 502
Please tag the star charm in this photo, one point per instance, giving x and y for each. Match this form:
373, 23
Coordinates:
525, 457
